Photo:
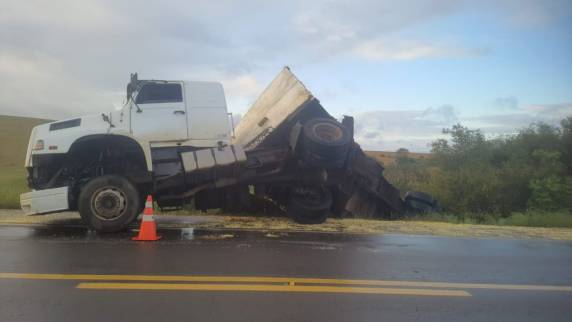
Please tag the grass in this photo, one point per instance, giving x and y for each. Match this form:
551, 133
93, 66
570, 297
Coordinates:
12, 184
280, 226
373, 226
14, 136
561, 219
538, 219
527, 219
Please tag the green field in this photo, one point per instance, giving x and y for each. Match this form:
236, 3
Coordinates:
12, 184
14, 135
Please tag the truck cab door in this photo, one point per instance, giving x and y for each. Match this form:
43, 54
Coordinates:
161, 116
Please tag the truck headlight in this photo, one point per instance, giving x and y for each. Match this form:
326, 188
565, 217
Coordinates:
39, 145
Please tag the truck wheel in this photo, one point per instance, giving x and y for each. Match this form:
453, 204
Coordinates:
309, 205
109, 203
325, 142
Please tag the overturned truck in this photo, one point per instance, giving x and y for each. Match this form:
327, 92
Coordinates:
175, 141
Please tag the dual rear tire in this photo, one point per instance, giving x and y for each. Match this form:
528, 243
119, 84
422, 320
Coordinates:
325, 142
309, 205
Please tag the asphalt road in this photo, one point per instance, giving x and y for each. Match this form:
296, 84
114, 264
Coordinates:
71, 274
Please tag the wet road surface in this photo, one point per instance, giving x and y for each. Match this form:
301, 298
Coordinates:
72, 274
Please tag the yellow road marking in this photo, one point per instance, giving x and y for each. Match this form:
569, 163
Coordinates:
270, 288
285, 280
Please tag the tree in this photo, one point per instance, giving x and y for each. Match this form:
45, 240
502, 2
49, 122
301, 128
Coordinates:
567, 143
469, 173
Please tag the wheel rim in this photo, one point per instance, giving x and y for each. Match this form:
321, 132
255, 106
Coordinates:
327, 132
108, 203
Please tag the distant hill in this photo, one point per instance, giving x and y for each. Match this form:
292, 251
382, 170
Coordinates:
14, 136
388, 158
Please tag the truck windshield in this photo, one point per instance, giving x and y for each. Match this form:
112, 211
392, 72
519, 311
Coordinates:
159, 93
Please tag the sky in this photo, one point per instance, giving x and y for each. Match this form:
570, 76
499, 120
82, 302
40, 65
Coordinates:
404, 69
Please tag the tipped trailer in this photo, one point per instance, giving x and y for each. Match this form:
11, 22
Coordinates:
174, 140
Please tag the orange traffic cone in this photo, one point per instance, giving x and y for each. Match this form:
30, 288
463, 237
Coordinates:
148, 230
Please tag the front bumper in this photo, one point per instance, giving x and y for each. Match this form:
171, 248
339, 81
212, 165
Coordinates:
45, 201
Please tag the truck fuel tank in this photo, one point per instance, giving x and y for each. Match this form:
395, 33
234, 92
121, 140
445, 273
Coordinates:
210, 157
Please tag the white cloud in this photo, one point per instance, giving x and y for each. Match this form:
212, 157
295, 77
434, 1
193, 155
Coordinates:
381, 49
414, 130
533, 13
64, 15
506, 103
551, 111
60, 58
63, 58
246, 85
241, 91
441, 115
325, 30
38, 85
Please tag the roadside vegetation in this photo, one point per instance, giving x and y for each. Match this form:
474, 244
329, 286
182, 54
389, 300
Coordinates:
523, 179
14, 135
530, 218
12, 184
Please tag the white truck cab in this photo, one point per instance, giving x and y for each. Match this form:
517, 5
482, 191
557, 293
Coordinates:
156, 114
187, 112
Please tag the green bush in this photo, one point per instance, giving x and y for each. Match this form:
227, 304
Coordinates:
472, 174
539, 219
545, 193
528, 219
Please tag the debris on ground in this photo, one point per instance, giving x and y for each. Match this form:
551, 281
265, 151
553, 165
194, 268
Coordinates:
275, 227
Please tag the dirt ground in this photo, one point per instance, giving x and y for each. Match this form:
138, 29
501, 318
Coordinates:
281, 224
367, 226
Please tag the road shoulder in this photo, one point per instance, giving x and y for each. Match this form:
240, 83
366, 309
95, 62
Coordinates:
332, 225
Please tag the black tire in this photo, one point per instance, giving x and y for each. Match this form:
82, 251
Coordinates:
309, 205
325, 142
109, 203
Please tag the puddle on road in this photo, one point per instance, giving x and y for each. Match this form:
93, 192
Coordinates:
15, 233
276, 235
216, 236
187, 233
80, 233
